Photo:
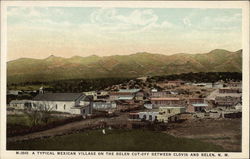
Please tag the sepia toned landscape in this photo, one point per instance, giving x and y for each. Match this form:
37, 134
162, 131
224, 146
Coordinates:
124, 79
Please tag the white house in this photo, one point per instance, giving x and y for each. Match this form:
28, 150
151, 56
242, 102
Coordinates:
100, 105
74, 103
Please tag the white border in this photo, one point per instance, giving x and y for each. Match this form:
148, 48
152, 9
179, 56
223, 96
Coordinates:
133, 4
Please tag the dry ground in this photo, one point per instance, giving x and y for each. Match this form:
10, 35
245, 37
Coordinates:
223, 132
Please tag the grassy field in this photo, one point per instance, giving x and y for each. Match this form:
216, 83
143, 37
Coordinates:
22, 121
115, 140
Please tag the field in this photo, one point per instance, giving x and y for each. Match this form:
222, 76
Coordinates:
115, 140
222, 132
22, 121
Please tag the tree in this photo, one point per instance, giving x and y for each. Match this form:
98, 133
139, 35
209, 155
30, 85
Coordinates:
38, 114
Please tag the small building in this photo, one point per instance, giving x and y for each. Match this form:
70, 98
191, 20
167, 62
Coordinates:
165, 113
139, 96
199, 107
160, 94
143, 116
148, 106
238, 107
235, 84
206, 85
195, 100
229, 99
93, 94
74, 103
176, 83
124, 94
230, 90
100, 105
13, 92
218, 85
102, 93
157, 102
196, 105
154, 90
132, 91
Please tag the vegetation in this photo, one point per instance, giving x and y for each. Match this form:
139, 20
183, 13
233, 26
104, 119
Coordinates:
115, 140
201, 77
26, 120
73, 85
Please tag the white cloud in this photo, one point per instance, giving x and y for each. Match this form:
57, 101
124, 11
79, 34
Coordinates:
138, 20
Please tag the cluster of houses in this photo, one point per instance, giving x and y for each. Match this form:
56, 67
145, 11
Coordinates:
163, 106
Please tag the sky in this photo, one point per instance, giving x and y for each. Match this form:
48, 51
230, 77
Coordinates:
38, 32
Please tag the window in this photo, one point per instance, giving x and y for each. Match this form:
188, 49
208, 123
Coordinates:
56, 106
83, 111
169, 111
64, 107
150, 117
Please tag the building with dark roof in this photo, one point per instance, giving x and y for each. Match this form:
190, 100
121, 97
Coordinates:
74, 103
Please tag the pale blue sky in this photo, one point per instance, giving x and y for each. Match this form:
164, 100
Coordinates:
38, 32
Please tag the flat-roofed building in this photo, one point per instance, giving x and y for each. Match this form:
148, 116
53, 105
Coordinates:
165, 113
228, 99
167, 101
230, 90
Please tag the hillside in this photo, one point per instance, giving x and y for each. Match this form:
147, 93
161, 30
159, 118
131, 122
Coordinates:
134, 65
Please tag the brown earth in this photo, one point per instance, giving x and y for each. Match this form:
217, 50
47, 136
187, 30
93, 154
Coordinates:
223, 132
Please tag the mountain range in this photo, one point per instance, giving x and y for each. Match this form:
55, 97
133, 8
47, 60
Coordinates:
134, 65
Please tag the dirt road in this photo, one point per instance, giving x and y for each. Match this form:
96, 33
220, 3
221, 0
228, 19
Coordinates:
70, 127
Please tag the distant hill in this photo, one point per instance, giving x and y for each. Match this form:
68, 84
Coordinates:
134, 65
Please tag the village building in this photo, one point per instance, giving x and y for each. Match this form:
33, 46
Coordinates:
148, 105
176, 83
13, 92
160, 94
196, 105
230, 90
154, 90
114, 96
234, 84
144, 116
167, 101
139, 96
102, 93
196, 100
165, 113
218, 85
228, 99
124, 95
73, 103
199, 107
93, 94
100, 105
238, 106
205, 85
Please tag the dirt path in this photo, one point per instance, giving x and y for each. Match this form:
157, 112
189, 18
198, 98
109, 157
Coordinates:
70, 127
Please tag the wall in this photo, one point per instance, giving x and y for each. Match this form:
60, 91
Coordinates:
166, 112
51, 105
147, 115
